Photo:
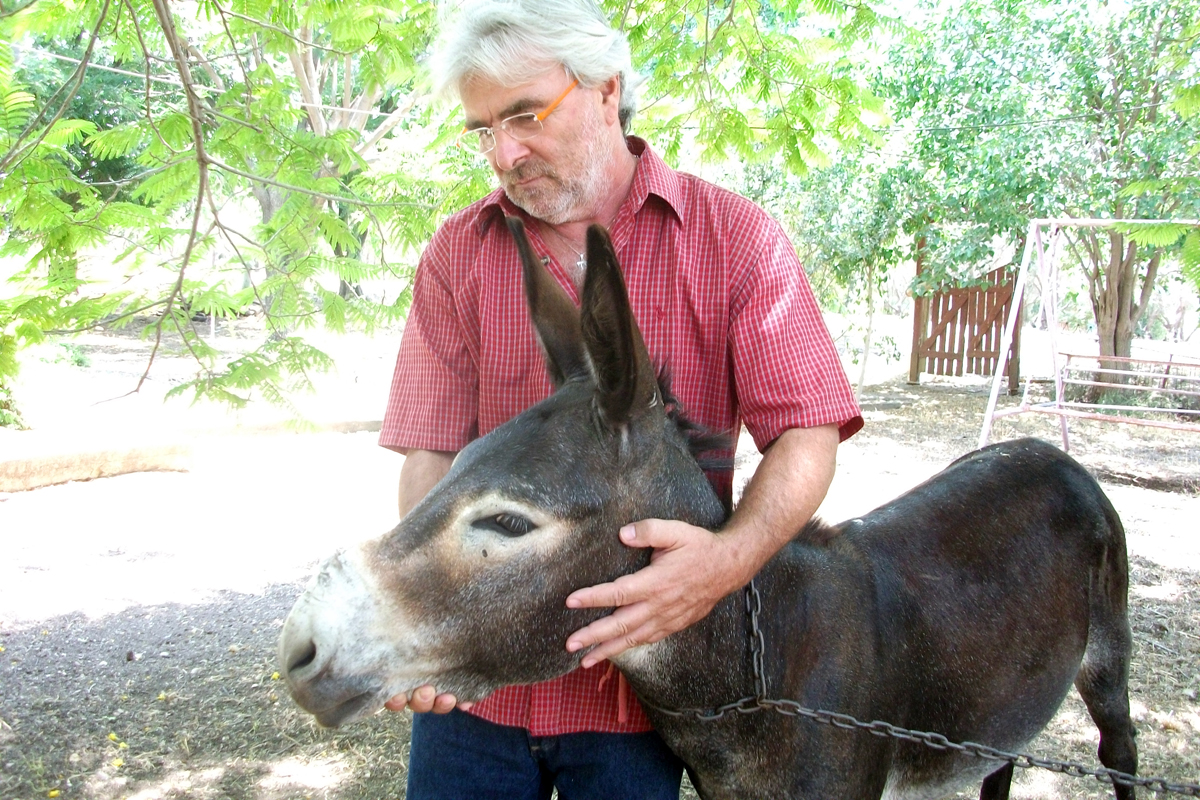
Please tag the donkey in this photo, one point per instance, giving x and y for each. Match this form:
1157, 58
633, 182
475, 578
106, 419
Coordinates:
968, 606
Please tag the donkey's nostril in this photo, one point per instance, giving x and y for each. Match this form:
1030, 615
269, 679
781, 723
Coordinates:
303, 657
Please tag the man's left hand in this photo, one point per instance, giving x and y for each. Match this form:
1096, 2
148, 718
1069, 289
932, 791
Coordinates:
690, 571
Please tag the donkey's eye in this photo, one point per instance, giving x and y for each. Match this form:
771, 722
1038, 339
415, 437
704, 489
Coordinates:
505, 524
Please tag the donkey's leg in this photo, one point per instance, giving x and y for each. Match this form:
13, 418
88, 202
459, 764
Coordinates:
1103, 679
996, 785
1104, 692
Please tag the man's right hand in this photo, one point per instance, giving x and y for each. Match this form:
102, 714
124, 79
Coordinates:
426, 699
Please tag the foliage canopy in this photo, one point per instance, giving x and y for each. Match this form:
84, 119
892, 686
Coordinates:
170, 162
234, 155
1010, 110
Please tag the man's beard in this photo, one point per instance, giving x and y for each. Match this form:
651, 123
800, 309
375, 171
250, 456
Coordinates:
563, 198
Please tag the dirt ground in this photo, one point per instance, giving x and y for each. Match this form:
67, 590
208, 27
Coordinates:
139, 614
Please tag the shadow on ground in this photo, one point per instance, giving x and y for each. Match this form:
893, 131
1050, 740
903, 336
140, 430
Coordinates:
179, 701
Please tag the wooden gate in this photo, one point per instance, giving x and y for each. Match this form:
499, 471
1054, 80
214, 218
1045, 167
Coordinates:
958, 331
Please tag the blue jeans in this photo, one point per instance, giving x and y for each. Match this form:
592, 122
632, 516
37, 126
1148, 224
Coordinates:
457, 756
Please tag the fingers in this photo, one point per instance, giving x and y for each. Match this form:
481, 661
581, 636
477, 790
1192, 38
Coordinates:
628, 627
424, 700
628, 595
614, 626
623, 591
656, 533
686, 577
614, 647
663, 536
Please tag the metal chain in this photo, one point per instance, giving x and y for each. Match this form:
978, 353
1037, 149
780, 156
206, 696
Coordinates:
790, 708
758, 642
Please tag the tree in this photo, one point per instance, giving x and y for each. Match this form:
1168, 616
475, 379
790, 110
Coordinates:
1129, 136
1036, 109
315, 112
226, 128
107, 96
963, 88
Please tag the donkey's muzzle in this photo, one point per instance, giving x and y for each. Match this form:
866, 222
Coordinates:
333, 699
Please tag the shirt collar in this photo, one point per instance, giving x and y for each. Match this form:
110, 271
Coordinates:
653, 177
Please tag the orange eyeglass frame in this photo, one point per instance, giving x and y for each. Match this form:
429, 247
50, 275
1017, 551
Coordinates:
540, 116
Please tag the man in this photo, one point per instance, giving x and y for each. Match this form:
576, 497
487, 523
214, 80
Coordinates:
547, 91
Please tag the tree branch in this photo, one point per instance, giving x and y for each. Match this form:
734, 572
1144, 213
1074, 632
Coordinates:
9, 12
360, 112
237, 56
137, 29
347, 71
106, 320
196, 112
1147, 288
283, 31
307, 91
386, 126
311, 192
206, 66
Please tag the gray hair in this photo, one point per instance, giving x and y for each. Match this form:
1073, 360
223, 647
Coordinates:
514, 41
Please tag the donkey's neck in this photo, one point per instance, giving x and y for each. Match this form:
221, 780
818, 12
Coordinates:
700, 666
802, 591
709, 663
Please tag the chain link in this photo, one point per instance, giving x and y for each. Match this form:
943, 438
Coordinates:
790, 708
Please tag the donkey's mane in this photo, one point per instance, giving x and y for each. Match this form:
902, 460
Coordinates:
708, 448
703, 444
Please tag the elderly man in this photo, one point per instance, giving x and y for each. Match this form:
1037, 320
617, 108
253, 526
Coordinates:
547, 91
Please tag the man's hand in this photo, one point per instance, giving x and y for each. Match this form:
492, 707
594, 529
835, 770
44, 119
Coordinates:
690, 571
693, 568
426, 699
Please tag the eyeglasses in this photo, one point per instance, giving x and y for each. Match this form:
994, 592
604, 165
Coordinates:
519, 126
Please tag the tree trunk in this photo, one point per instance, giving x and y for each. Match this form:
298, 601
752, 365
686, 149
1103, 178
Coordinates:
1120, 291
862, 372
270, 200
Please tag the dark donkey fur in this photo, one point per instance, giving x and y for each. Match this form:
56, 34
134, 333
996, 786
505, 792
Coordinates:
968, 606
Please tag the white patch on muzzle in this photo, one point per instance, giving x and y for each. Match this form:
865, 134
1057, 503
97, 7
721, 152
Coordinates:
363, 643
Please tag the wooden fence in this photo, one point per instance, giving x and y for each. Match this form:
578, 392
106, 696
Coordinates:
958, 331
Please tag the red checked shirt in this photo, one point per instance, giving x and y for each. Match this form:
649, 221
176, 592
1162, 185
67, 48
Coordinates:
720, 298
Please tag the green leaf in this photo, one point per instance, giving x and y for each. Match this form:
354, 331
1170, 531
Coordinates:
1144, 187
1158, 235
116, 142
1187, 103
1191, 257
16, 106
69, 131
115, 186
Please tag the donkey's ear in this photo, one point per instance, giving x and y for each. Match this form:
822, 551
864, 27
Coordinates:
555, 317
625, 381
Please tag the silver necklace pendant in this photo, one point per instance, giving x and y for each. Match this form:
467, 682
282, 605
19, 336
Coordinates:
581, 262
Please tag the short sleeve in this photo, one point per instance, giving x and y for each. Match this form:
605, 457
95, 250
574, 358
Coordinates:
434, 399
786, 368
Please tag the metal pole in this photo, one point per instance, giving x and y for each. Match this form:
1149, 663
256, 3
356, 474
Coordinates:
1006, 337
1050, 288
